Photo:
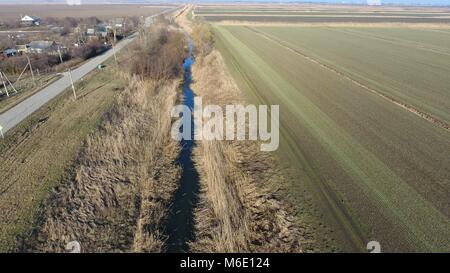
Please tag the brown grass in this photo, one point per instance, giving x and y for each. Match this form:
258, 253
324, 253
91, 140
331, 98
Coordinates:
118, 194
36, 154
25, 88
120, 191
238, 211
157, 192
181, 18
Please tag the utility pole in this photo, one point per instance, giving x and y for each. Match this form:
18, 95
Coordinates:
70, 74
23, 71
31, 69
113, 46
9, 82
4, 84
73, 86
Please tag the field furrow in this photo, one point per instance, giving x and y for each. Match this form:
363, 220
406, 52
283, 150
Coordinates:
398, 41
377, 160
428, 117
409, 75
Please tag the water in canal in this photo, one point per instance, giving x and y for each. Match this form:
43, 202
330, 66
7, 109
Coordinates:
180, 226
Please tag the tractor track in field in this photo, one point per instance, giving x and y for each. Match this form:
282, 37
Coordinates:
354, 237
394, 41
426, 116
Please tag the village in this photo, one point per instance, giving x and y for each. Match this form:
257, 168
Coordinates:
34, 51
33, 35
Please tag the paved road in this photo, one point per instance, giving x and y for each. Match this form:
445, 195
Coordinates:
18, 113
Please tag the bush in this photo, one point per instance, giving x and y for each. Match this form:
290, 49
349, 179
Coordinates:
158, 55
43, 62
91, 49
5, 42
203, 39
131, 25
12, 24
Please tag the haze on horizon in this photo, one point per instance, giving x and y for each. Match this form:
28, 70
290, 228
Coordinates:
384, 2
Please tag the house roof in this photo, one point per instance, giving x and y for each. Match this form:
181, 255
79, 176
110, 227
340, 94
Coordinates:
30, 18
10, 51
100, 28
41, 44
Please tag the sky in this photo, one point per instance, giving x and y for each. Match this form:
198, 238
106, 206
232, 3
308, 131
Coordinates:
400, 2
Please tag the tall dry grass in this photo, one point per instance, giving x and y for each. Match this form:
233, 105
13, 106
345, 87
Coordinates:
117, 196
222, 223
181, 18
238, 211
119, 192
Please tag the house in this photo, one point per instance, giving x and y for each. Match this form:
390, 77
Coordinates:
90, 32
9, 52
100, 31
57, 29
21, 49
119, 22
101, 27
30, 20
39, 47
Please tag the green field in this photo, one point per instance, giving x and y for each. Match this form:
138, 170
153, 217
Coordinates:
379, 171
325, 19
315, 14
312, 13
391, 61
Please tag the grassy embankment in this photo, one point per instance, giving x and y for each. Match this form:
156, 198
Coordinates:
242, 208
87, 170
117, 196
25, 88
37, 153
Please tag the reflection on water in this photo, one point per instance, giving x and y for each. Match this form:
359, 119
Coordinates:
180, 226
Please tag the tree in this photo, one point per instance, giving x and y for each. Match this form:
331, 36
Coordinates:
89, 50
203, 39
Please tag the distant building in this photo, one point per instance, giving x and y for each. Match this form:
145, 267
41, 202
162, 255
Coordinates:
100, 31
90, 32
39, 47
9, 52
119, 22
21, 49
30, 20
